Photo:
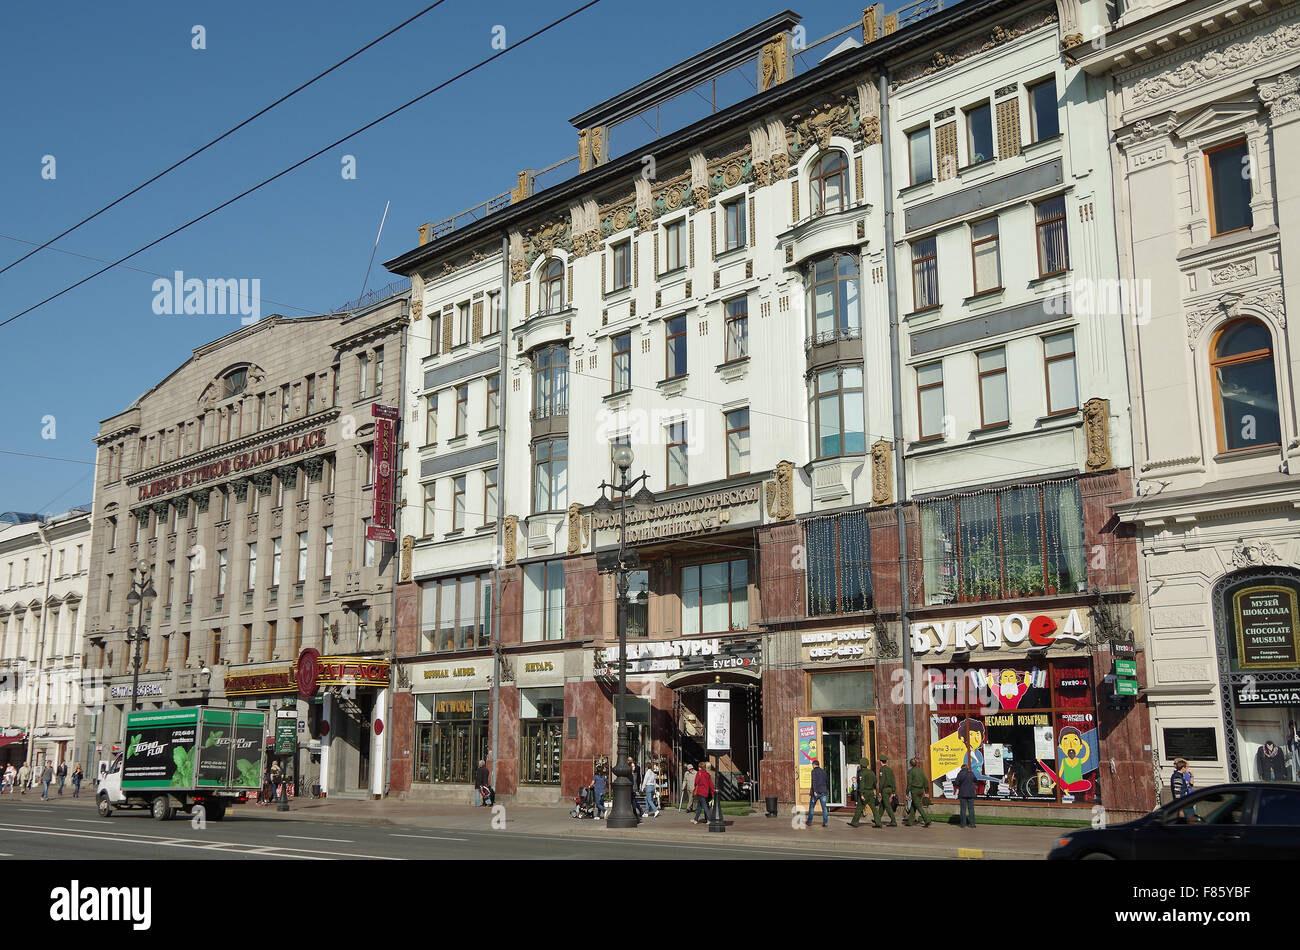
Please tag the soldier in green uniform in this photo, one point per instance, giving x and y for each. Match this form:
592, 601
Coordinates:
866, 794
917, 788
888, 789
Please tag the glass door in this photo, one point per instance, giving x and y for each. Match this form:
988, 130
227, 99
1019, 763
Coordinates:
833, 754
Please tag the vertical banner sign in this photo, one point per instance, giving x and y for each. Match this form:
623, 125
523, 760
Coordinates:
719, 724
807, 742
381, 518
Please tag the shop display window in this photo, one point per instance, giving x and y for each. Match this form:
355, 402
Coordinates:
451, 736
541, 735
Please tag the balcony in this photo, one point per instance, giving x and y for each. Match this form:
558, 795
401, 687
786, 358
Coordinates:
831, 346
272, 596
297, 592
550, 419
543, 327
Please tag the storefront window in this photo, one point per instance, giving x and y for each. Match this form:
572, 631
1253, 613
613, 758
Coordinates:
1005, 544
839, 563
830, 692
715, 597
541, 735
1028, 731
451, 736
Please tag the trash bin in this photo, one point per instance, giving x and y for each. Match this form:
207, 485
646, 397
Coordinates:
770, 802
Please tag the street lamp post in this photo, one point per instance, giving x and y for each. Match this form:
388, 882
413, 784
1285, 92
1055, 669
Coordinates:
623, 815
141, 595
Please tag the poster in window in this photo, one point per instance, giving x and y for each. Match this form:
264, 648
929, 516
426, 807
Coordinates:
1266, 627
1078, 758
1044, 743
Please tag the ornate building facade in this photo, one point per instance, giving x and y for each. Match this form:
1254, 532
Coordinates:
1204, 106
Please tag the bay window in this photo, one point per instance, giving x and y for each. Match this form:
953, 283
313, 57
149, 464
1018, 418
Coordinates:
833, 299
715, 597
837, 412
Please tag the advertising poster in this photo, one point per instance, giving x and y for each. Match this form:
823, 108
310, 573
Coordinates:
250, 735
995, 760
1044, 743
160, 749
807, 744
216, 738
947, 754
719, 721
1266, 627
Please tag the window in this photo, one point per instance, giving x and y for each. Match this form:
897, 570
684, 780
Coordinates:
252, 566
541, 735
992, 365
367, 544
551, 382
379, 369
302, 556
462, 409
675, 245
1278, 806
489, 496
1044, 115
363, 370
979, 133
737, 329
430, 512
329, 551
929, 400
431, 419
112, 540
637, 611
1062, 388
1053, 255
839, 563
678, 471
734, 213
435, 335
276, 556
1010, 543
493, 312
171, 583
925, 274
236, 382
737, 421
622, 252
279, 492
834, 301
553, 287
550, 482
1227, 171
675, 339
985, 258
330, 466
224, 496
458, 503
918, 154
544, 601
837, 412
334, 384
1245, 388
311, 397
621, 364
108, 591
223, 566
368, 461
493, 401
828, 185
715, 597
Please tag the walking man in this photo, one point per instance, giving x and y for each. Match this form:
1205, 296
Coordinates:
867, 797
917, 788
888, 789
47, 776
24, 777
965, 784
820, 789
61, 773
77, 776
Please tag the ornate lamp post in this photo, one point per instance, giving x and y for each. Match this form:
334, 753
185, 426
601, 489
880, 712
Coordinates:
141, 596
622, 815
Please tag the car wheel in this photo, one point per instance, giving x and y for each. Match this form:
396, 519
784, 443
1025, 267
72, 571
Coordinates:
102, 804
216, 811
1097, 856
161, 808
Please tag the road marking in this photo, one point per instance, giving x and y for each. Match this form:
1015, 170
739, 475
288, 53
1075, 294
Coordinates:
29, 808
970, 852
428, 837
91, 821
309, 838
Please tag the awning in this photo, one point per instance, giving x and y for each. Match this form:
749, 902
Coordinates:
5, 740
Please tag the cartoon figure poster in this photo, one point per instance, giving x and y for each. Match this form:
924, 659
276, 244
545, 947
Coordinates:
1078, 757
1010, 686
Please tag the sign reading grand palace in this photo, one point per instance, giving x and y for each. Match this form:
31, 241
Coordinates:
284, 448
1266, 627
683, 517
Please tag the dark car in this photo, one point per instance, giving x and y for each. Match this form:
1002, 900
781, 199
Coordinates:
1242, 821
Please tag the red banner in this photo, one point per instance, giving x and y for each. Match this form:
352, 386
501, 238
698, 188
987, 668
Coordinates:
381, 518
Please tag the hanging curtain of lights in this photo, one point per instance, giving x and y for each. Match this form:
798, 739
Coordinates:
839, 563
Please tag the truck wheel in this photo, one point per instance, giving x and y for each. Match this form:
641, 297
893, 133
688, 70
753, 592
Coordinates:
161, 808
216, 810
102, 804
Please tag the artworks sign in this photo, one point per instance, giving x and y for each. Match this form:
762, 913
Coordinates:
1266, 627
994, 632
836, 644
686, 516
236, 463
381, 517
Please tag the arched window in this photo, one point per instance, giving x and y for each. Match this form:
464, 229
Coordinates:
553, 287
829, 183
834, 299
235, 382
1245, 387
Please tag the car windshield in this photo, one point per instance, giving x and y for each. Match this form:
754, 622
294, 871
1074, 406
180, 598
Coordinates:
1209, 808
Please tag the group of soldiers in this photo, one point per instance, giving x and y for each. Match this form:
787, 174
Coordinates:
877, 792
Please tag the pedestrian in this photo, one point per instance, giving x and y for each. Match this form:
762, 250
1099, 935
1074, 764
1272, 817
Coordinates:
634, 774
10, 778
650, 785
965, 785
61, 773
820, 789
703, 792
24, 778
47, 776
688, 787
917, 790
868, 796
77, 776
888, 791
598, 790
482, 779
1181, 785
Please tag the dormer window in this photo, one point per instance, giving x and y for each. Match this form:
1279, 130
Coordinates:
236, 382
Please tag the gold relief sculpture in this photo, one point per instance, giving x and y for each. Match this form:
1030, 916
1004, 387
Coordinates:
780, 165
871, 23
584, 153
1096, 429
408, 545
579, 529
597, 145
761, 173
522, 190
417, 309
773, 63
511, 528
780, 492
424, 234
882, 478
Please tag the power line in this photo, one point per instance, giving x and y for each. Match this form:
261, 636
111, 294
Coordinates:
223, 135
314, 155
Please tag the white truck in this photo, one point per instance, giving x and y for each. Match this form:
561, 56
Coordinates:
175, 759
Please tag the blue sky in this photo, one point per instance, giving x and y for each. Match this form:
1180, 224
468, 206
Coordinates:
115, 92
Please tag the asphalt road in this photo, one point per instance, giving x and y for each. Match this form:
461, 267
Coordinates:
32, 831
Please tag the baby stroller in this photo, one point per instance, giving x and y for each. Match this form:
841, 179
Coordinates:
584, 806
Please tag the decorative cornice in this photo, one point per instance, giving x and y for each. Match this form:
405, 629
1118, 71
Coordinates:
1265, 47
999, 35
1230, 305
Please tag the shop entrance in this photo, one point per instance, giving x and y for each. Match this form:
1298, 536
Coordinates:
843, 741
689, 717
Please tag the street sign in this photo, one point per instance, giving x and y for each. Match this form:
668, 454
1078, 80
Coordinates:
1125, 687
1126, 668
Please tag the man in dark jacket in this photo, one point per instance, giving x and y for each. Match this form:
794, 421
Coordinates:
888, 789
481, 778
61, 773
918, 786
821, 788
965, 785
866, 794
